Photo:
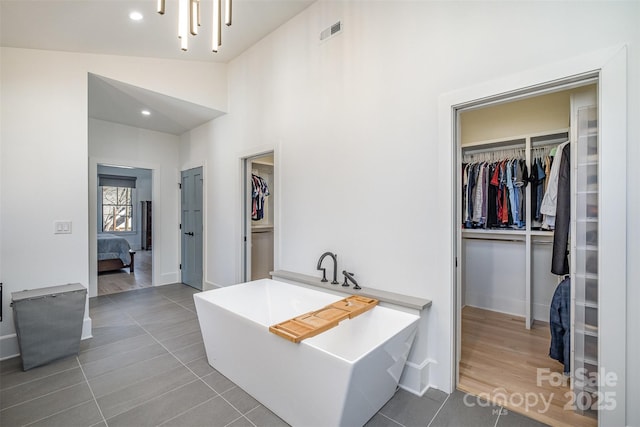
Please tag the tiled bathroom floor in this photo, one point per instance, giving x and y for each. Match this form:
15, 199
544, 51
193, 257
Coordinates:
146, 366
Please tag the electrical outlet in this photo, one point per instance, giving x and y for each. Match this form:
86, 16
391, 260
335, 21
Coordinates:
62, 227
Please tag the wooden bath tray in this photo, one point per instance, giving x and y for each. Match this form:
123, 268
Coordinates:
316, 322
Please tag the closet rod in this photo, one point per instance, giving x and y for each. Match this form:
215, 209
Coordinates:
518, 147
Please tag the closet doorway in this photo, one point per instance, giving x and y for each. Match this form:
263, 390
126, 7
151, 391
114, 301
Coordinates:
506, 245
258, 216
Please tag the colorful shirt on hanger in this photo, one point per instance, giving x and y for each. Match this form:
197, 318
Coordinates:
260, 190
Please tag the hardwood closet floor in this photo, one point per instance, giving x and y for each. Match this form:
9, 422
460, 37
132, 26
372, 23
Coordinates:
499, 362
111, 282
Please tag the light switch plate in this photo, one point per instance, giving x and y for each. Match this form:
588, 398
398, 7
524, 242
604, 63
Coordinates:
62, 227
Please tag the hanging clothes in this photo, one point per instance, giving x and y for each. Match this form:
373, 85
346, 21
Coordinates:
560, 259
538, 179
480, 200
560, 324
534, 179
493, 194
469, 194
549, 201
260, 190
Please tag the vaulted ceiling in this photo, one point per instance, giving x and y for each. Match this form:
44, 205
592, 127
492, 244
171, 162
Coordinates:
104, 27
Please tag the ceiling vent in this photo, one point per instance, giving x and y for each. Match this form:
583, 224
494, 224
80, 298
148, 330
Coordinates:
331, 31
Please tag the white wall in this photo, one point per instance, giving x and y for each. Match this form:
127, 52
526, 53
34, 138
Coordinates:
354, 124
44, 112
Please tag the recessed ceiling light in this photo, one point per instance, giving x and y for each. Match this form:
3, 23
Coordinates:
135, 16
146, 112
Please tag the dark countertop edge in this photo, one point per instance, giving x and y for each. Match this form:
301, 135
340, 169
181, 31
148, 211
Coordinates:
383, 296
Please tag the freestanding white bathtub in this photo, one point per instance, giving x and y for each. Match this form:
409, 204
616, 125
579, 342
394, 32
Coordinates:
341, 377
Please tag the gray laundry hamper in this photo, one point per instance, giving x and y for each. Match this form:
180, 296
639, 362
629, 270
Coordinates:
48, 322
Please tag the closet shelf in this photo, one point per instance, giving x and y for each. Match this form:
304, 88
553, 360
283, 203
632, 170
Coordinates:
587, 220
589, 134
502, 235
555, 138
587, 248
587, 276
586, 331
588, 304
492, 231
586, 360
590, 390
587, 163
261, 228
548, 233
262, 163
494, 145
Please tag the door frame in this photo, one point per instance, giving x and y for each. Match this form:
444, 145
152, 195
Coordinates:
93, 215
244, 273
610, 66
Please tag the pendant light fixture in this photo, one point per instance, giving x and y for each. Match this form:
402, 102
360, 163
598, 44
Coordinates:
189, 20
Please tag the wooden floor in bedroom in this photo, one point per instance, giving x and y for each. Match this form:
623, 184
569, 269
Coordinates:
500, 361
111, 282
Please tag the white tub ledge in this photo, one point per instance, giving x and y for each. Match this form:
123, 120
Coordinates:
390, 299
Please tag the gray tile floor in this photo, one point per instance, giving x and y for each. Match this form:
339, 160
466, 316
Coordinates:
146, 366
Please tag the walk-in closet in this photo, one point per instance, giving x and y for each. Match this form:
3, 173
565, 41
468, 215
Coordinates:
260, 211
528, 251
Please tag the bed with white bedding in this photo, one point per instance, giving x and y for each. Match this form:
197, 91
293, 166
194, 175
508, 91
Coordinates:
114, 253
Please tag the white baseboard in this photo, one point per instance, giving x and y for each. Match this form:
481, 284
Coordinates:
415, 377
9, 346
168, 279
207, 286
86, 328
9, 343
541, 312
497, 303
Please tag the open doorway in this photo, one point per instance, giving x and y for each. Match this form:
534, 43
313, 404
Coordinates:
258, 216
132, 126
124, 228
509, 286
